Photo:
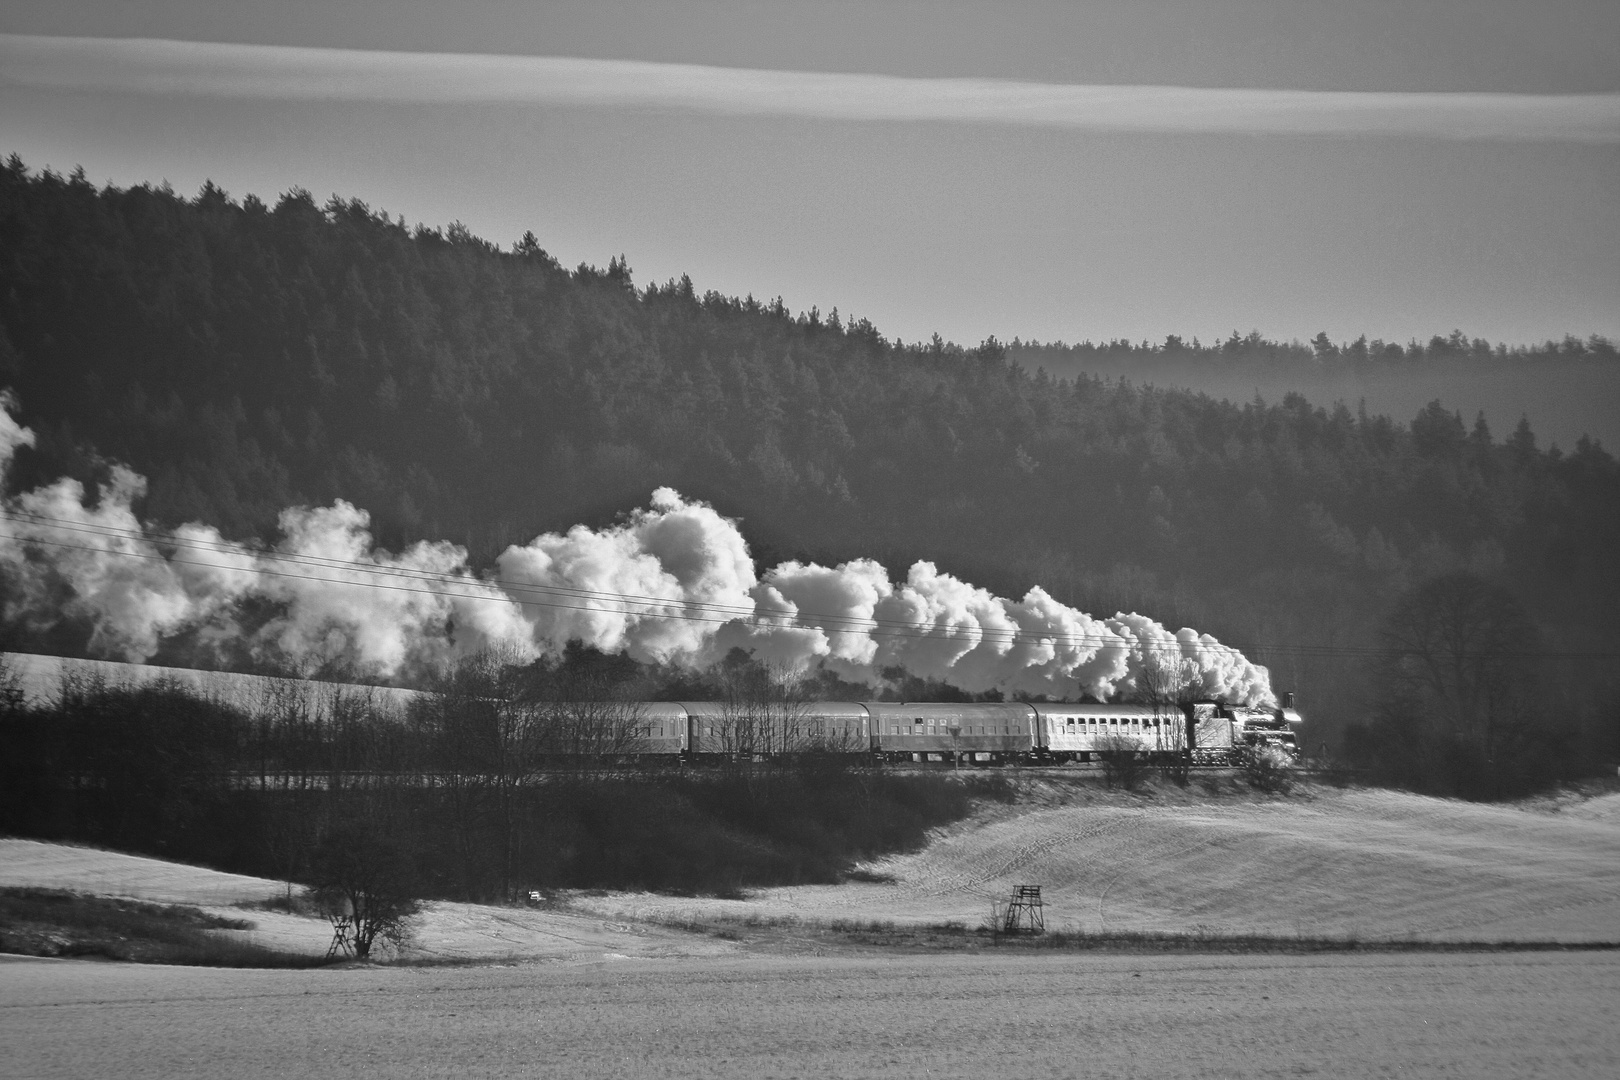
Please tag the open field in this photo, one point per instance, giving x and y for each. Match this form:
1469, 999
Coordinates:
445, 930
1374, 865
771, 1016
585, 994
1365, 863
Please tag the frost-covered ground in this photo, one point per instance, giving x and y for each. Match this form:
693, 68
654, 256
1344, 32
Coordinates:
585, 994
1373, 864
1368, 863
444, 930
998, 1015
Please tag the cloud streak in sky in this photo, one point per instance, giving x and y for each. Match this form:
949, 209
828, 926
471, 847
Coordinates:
266, 72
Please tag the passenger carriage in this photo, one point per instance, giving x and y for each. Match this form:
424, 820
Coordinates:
947, 731
1079, 732
718, 729
664, 728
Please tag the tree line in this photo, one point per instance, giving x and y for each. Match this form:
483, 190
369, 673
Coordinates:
1255, 349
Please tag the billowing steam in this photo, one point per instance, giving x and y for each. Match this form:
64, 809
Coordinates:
672, 582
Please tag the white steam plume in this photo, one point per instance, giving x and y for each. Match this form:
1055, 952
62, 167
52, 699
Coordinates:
673, 582
335, 596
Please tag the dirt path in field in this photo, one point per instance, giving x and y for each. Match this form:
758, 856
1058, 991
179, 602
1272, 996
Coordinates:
444, 931
1374, 864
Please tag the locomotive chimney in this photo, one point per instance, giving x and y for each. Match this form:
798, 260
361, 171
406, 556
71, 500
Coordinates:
1288, 700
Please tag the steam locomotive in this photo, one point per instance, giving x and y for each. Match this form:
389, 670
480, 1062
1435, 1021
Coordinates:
1209, 733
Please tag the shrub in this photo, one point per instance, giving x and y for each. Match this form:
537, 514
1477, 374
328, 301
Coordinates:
1268, 769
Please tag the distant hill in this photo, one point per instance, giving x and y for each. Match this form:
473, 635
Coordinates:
1566, 389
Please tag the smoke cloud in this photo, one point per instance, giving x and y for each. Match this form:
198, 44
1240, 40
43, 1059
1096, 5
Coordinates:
673, 582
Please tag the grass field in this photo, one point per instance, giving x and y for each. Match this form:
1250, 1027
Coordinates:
444, 931
1374, 865
1364, 863
1029, 1016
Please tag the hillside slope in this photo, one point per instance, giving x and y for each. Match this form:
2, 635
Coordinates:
1374, 864
444, 931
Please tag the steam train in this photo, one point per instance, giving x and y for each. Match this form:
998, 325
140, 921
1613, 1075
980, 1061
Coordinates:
1209, 733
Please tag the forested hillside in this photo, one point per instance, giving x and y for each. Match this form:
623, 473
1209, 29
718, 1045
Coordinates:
246, 357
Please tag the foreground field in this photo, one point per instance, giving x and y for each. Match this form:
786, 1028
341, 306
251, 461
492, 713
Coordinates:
948, 1016
1365, 863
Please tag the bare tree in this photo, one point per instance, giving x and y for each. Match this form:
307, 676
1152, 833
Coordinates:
765, 709
1122, 762
364, 877
1462, 655
1166, 683
1459, 708
589, 733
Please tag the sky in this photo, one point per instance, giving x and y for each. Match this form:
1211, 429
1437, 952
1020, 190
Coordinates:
1046, 171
